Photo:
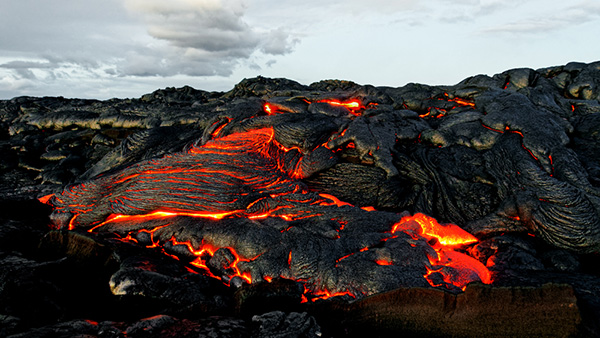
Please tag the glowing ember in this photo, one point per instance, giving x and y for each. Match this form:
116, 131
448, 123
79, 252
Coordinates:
235, 207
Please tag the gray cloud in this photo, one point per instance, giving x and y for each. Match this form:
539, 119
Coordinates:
174, 61
544, 22
64, 26
19, 64
24, 69
460, 11
278, 42
116, 39
205, 37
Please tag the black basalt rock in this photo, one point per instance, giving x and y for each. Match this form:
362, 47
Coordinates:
278, 200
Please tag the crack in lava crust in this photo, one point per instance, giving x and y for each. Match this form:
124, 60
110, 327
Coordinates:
235, 207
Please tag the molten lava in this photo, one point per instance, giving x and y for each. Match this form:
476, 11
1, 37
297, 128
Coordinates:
447, 237
213, 204
459, 101
353, 105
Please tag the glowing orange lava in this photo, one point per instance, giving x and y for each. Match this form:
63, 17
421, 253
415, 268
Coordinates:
44, 199
325, 294
355, 107
269, 109
464, 267
276, 191
431, 113
334, 201
163, 214
383, 262
461, 102
206, 251
448, 236
352, 105
218, 130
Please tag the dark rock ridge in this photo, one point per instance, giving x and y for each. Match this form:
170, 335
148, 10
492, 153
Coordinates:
514, 159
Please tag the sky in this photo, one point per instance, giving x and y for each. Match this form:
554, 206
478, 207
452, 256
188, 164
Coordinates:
105, 49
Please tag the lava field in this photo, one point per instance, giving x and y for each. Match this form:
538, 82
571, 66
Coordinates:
332, 209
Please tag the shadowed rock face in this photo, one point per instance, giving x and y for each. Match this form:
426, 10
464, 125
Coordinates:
232, 183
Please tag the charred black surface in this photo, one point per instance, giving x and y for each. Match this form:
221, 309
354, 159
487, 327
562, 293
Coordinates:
514, 159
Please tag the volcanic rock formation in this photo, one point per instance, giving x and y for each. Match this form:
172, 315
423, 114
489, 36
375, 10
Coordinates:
307, 192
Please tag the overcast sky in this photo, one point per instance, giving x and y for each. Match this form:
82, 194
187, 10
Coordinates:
126, 48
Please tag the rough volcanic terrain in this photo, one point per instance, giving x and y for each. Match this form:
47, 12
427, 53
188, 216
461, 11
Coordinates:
286, 210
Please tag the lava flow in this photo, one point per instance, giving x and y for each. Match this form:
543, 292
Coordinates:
447, 237
236, 207
354, 107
